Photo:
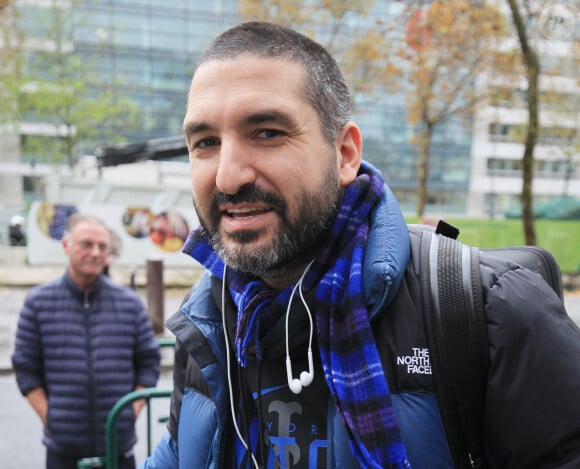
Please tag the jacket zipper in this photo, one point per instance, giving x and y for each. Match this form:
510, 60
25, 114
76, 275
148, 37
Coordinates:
86, 307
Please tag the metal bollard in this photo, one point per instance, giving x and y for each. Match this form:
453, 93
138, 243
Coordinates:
155, 298
133, 274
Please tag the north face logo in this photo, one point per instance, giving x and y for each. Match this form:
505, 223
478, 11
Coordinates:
418, 363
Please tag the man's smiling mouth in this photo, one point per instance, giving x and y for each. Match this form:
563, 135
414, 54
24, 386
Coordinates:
245, 212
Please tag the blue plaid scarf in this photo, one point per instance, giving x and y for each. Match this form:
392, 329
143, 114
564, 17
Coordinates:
350, 359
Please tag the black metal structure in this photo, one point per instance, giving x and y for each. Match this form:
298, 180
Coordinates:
155, 149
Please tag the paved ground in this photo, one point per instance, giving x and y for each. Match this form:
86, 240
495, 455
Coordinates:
20, 428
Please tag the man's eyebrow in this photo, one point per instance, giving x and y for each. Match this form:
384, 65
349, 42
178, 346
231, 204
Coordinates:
270, 116
191, 128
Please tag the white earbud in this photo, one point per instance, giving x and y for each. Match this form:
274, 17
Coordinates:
306, 377
293, 383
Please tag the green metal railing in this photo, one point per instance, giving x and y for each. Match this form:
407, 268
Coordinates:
111, 459
111, 448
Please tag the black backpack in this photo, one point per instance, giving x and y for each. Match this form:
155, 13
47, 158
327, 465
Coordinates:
452, 301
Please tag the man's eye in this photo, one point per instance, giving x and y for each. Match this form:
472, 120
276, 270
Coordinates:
206, 143
268, 133
86, 245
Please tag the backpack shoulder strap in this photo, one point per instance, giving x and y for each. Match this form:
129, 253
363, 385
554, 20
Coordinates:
452, 301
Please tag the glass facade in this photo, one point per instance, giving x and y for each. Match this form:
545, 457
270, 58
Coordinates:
146, 50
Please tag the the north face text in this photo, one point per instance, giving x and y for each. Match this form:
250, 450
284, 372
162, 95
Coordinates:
418, 363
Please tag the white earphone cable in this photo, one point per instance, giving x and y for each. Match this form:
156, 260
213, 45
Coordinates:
306, 377
230, 388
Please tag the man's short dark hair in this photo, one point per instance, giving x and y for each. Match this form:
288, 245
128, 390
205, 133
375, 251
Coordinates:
325, 88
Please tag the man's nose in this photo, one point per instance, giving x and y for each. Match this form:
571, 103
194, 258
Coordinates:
96, 250
236, 166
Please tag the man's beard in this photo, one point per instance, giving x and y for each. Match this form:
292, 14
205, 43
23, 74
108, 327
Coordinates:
294, 244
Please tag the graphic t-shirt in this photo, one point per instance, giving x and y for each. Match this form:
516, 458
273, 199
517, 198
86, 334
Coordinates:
293, 426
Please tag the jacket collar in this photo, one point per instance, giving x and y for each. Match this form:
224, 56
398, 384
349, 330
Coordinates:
386, 254
78, 293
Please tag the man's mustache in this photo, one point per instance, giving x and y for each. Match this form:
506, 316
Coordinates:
248, 193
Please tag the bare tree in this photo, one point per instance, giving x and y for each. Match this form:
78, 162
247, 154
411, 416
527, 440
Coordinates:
532, 65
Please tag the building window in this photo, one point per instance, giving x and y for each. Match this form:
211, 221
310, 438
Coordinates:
542, 168
506, 132
515, 133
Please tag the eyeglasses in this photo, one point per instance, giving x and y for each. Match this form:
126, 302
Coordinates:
87, 245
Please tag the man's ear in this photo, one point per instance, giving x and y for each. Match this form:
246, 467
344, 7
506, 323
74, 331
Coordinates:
349, 152
65, 242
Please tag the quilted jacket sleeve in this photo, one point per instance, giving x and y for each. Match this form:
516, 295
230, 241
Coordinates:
27, 357
164, 456
533, 398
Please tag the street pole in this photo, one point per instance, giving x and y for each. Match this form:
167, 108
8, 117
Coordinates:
155, 294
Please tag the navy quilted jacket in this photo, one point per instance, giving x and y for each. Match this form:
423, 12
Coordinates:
86, 351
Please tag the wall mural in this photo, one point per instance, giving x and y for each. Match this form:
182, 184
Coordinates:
141, 232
